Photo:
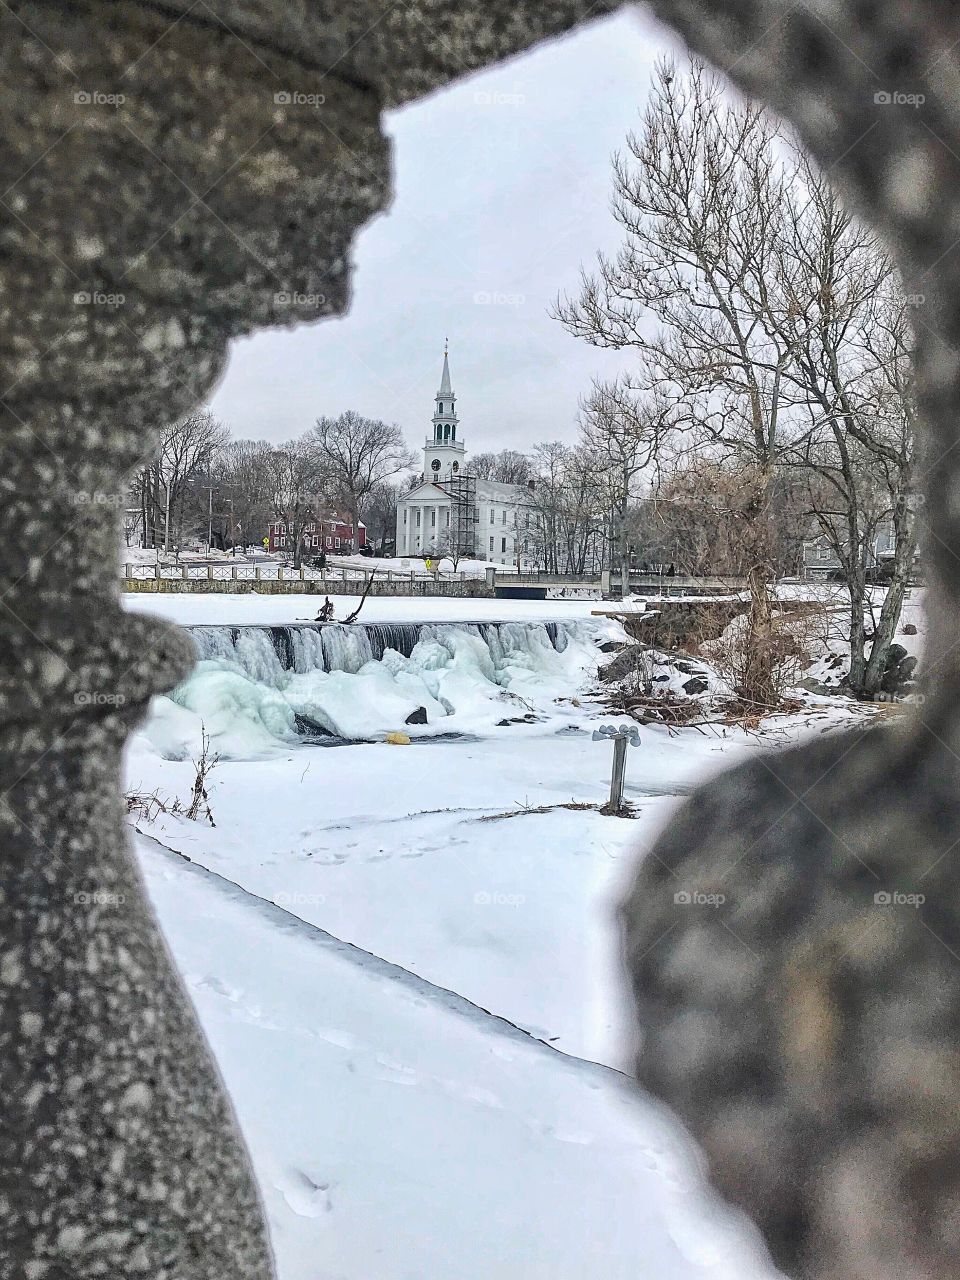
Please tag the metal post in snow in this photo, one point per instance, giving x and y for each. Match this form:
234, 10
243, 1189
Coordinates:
617, 774
623, 736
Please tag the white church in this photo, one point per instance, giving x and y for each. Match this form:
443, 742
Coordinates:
451, 512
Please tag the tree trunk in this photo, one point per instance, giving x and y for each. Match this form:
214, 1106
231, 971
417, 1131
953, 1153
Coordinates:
904, 548
623, 540
856, 585
355, 517
760, 657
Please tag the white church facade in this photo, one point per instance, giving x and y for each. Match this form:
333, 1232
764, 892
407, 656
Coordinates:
451, 512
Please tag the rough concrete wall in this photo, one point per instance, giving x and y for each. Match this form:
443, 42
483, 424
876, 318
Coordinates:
794, 936
170, 179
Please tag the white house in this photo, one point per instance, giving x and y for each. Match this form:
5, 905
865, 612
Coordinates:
452, 512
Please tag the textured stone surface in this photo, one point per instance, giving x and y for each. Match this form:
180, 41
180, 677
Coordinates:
800, 1002
170, 179
807, 1032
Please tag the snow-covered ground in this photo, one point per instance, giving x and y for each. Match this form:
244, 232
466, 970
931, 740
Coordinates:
442, 567
191, 609
405, 958
399, 1132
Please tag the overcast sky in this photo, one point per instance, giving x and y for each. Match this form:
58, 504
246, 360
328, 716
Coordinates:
502, 191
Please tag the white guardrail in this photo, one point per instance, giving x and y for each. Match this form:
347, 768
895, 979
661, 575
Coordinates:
285, 573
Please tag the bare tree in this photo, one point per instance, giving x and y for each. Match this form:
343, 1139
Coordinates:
508, 466
296, 483
773, 325
243, 490
356, 455
696, 196
621, 430
840, 306
185, 453
567, 512
379, 512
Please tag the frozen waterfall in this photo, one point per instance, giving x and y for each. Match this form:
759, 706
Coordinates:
258, 690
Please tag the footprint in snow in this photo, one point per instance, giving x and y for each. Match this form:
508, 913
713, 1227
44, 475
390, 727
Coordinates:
306, 1196
215, 984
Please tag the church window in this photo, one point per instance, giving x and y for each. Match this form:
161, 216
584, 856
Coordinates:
493, 516
503, 544
456, 466
453, 433
491, 544
418, 517
503, 516
433, 518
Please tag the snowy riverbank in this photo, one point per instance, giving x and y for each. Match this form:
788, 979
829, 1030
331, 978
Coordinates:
405, 957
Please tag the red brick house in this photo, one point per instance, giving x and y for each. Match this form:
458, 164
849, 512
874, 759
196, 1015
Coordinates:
332, 534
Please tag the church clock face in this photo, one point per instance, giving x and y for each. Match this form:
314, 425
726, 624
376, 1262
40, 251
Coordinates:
435, 464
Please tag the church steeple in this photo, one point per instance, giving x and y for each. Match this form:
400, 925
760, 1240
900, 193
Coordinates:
445, 415
445, 388
444, 452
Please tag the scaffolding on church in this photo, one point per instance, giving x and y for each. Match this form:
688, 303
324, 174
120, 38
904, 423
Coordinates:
462, 489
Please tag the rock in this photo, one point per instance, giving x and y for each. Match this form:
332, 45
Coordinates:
611, 646
695, 685
624, 664
815, 686
685, 668
417, 717
895, 677
895, 654
908, 629
308, 728
397, 739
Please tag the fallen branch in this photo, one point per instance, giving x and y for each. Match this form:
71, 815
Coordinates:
366, 591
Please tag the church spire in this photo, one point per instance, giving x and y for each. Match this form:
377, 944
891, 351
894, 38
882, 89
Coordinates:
446, 388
